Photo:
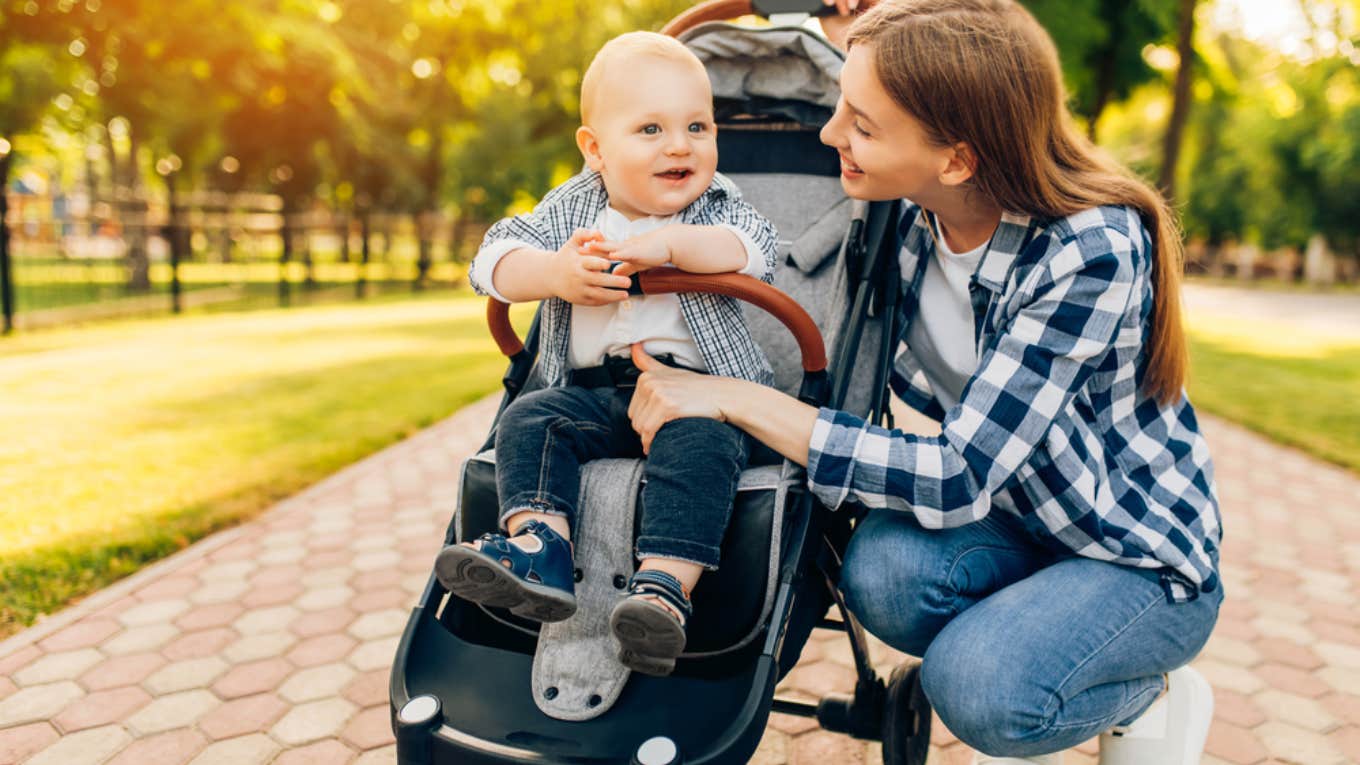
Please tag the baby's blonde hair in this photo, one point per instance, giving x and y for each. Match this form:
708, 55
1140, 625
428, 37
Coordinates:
626, 46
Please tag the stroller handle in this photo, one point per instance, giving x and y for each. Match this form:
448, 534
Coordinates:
659, 281
722, 10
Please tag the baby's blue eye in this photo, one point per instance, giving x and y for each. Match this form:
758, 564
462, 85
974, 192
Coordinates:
652, 129
697, 127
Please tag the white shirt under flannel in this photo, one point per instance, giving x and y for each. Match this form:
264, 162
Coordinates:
715, 321
1053, 427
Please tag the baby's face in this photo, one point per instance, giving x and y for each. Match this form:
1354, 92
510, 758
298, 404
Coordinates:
656, 144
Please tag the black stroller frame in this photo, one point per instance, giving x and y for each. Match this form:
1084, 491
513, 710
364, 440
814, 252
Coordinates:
438, 718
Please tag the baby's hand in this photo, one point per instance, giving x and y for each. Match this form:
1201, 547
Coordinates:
582, 278
639, 253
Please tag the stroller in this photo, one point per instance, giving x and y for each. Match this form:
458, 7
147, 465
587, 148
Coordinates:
463, 685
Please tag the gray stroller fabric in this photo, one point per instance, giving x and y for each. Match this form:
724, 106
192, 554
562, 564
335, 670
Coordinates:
781, 64
577, 674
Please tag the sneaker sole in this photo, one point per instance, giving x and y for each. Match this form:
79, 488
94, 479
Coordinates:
478, 578
649, 637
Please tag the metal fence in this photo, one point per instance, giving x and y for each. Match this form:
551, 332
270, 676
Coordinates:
72, 260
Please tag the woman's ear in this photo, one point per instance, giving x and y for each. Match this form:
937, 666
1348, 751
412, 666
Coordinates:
962, 166
589, 144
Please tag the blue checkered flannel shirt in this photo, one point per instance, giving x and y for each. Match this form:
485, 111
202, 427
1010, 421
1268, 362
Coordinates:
716, 321
1053, 426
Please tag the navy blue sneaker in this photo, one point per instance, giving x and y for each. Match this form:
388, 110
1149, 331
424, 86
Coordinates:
535, 584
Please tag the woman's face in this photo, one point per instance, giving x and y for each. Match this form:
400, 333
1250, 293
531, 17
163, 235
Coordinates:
884, 151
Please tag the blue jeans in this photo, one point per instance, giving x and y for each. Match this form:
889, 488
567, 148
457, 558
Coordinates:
1024, 652
691, 474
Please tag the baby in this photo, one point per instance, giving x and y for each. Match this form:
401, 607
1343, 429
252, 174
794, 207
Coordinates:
650, 197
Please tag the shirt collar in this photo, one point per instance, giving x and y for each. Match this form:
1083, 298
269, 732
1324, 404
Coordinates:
1012, 234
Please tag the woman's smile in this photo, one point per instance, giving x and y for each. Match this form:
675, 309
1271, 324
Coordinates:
850, 169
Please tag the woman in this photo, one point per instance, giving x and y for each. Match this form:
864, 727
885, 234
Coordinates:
1053, 553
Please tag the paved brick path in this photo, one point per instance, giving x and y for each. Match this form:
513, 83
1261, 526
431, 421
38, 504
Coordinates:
270, 643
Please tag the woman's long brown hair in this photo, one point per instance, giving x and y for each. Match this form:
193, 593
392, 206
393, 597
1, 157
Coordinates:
985, 73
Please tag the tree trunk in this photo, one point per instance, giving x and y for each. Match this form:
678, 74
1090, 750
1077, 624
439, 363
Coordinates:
1181, 99
6, 267
134, 215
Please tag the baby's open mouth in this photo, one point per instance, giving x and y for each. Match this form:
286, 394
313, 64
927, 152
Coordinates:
676, 175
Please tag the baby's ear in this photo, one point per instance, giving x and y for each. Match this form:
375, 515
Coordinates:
589, 144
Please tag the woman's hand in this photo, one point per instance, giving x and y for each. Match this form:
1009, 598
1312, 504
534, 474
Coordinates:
666, 393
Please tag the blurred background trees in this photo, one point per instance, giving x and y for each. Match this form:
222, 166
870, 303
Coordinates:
453, 112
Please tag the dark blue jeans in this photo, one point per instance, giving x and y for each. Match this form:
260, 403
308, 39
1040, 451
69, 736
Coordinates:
691, 475
1024, 653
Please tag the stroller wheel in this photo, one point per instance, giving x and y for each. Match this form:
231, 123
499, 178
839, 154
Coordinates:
906, 718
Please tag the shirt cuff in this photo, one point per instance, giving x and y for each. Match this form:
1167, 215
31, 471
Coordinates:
755, 258
484, 265
831, 455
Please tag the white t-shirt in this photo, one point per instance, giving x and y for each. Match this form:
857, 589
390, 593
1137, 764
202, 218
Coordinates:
656, 321
941, 335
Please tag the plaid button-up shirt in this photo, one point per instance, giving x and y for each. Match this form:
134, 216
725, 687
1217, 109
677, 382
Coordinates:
716, 321
1053, 426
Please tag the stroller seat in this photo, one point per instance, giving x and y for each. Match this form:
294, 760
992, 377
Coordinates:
730, 604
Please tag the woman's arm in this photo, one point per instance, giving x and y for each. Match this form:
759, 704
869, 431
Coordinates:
664, 393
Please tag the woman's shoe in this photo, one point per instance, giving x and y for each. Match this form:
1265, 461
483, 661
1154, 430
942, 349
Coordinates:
650, 621
1170, 732
535, 584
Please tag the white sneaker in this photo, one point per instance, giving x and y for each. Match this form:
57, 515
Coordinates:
1171, 732
1043, 759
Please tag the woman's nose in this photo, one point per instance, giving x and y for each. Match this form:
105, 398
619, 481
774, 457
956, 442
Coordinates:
830, 133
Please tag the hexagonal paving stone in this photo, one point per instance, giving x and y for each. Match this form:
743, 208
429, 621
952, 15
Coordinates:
174, 747
101, 708
94, 745
140, 639
311, 721
255, 749
20, 741
379, 624
183, 675
253, 647
66, 665
155, 612
218, 592
82, 634
374, 654
122, 670
241, 716
266, 620
200, 644
329, 596
252, 677
370, 728
321, 649
174, 711
316, 682
39, 702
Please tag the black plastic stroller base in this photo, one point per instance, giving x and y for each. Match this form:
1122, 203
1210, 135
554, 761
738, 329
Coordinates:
711, 719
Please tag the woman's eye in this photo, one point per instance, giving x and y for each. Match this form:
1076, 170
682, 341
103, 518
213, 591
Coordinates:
859, 129
697, 127
652, 129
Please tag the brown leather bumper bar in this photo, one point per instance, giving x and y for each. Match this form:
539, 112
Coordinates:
658, 281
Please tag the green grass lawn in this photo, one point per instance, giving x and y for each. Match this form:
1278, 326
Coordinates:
124, 442
1300, 388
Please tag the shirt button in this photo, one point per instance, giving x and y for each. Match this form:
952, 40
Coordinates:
626, 305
